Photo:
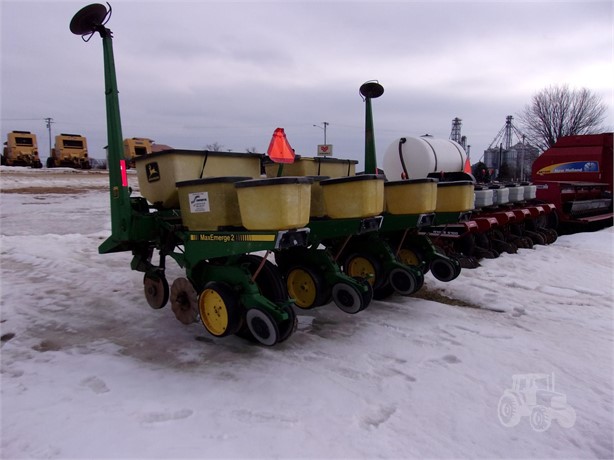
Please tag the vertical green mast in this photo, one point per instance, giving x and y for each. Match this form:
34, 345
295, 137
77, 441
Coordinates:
370, 157
120, 194
87, 22
370, 90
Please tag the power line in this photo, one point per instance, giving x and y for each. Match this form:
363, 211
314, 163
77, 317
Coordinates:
22, 119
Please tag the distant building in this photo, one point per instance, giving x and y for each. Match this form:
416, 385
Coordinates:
513, 163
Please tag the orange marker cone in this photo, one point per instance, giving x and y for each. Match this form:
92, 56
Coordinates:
279, 148
467, 167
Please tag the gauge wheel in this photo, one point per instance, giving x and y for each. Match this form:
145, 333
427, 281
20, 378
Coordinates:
365, 267
262, 326
184, 301
156, 289
306, 287
405, 281
348, 298
219, 308
413, 257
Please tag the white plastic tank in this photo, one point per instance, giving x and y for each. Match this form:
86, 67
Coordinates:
483, 197
416, 157
516, 192
530, 192
501, 194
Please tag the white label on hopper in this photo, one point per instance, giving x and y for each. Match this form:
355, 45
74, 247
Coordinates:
199, 202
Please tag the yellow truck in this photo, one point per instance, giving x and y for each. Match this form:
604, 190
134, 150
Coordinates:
70, 151
135, 147
21, 149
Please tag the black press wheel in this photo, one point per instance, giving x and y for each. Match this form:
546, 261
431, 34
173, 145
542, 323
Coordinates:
262, 326
220, 310
406, 281
445, 269
348, 298
156, 289
367, 295
287, 327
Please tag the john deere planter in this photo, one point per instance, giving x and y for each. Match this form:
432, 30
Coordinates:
225, 217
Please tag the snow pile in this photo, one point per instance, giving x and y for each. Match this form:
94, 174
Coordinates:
89, 370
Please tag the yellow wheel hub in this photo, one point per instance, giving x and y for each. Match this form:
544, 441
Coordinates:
213, 312
302, 288
409, 257
361, 267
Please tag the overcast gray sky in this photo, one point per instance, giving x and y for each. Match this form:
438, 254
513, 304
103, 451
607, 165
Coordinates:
191, 73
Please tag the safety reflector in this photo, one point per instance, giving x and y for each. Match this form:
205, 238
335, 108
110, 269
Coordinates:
122, 167
279, 148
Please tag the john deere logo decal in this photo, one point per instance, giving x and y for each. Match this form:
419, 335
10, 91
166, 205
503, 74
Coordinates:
152, 171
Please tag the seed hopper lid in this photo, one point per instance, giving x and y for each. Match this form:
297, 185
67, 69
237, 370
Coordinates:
274, 181
410, 181
455, 183
359, 177
212, 180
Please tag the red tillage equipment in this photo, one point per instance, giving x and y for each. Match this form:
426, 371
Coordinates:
576, 175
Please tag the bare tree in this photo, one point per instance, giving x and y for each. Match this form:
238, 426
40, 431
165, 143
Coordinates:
251, 150
558, 111
215, 147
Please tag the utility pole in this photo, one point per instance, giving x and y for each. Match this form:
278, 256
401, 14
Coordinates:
325, 123
49, 121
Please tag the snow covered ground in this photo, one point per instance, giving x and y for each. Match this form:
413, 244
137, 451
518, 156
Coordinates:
90, 371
